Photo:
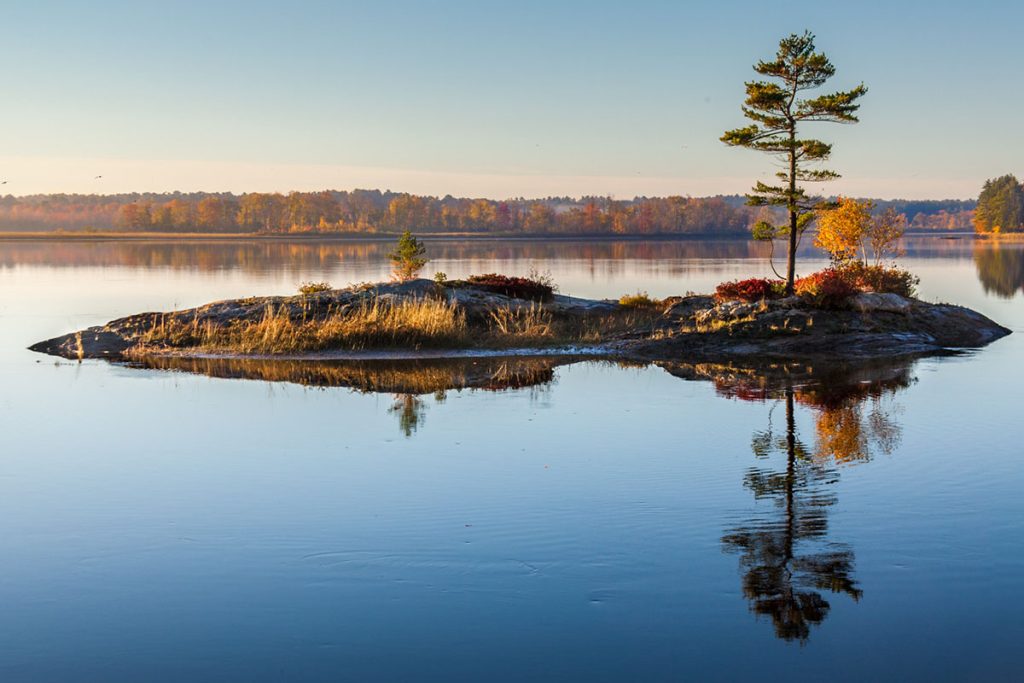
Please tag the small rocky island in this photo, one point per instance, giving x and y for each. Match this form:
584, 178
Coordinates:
424, 318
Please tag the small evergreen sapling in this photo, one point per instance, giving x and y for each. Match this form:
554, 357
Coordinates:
408, 258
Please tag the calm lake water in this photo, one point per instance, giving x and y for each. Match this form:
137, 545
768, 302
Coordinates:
499, 520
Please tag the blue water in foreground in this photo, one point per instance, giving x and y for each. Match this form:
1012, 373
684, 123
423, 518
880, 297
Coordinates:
590, 522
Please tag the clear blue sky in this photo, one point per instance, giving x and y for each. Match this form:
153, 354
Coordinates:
497, 99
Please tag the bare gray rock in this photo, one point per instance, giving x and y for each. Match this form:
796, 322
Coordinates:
870, 302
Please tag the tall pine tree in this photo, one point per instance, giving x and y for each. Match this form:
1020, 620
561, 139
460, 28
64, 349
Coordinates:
776, 111
1000, 206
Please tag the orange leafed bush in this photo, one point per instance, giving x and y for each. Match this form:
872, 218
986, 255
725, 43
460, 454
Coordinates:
851, 232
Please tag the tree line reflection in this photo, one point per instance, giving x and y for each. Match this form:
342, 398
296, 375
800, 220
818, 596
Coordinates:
1000, 266
262, 256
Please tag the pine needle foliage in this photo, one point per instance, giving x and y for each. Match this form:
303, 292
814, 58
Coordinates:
777, 111
408, 258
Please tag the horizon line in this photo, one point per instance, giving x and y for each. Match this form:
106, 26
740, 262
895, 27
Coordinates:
87, 176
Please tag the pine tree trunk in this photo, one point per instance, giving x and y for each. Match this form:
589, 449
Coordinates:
791, 261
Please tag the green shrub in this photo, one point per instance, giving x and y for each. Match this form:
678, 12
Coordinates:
407, 260
308, 288
639, 300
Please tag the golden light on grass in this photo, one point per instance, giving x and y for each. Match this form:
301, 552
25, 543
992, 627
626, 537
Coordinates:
384, 323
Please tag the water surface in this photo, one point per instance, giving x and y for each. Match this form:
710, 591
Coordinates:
503, 520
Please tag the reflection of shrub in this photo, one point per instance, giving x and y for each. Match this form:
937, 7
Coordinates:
307, 288
639, 300
827, 288
516, 287
754, 289
881, 279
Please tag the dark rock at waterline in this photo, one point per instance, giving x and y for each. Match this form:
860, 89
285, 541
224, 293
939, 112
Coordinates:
692, 327
873, 326
93, 342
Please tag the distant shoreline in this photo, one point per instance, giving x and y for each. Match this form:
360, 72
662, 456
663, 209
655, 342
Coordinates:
1002, 237
350, 237
112, 235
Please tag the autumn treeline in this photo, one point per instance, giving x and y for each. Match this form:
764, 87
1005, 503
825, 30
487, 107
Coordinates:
371, 211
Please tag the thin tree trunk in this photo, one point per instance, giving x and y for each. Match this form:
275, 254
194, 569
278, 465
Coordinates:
791, 261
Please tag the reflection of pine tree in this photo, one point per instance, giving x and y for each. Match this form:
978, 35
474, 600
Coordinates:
786, 557
410, 412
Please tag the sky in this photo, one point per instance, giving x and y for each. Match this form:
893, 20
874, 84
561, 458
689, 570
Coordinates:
494, 99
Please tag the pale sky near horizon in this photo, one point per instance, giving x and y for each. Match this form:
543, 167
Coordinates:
490, 99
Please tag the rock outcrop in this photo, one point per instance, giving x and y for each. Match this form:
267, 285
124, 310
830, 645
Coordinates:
683, 328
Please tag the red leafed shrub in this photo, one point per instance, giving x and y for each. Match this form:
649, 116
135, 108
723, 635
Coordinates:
517, 287
754, 289
828, 288
742, 391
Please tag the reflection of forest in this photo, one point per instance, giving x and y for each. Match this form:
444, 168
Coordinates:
1000, 267
787, 558
263, 256
605, 258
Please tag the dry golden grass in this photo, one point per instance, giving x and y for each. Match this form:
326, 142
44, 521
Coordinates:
376, 324
381, 323
524, 325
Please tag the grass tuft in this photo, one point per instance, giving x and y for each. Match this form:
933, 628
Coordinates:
309, 288
640, 300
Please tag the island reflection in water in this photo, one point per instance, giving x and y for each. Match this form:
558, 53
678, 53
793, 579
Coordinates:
407, 379
788, 559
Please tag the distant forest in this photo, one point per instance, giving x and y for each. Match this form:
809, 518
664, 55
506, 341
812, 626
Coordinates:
373, 211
